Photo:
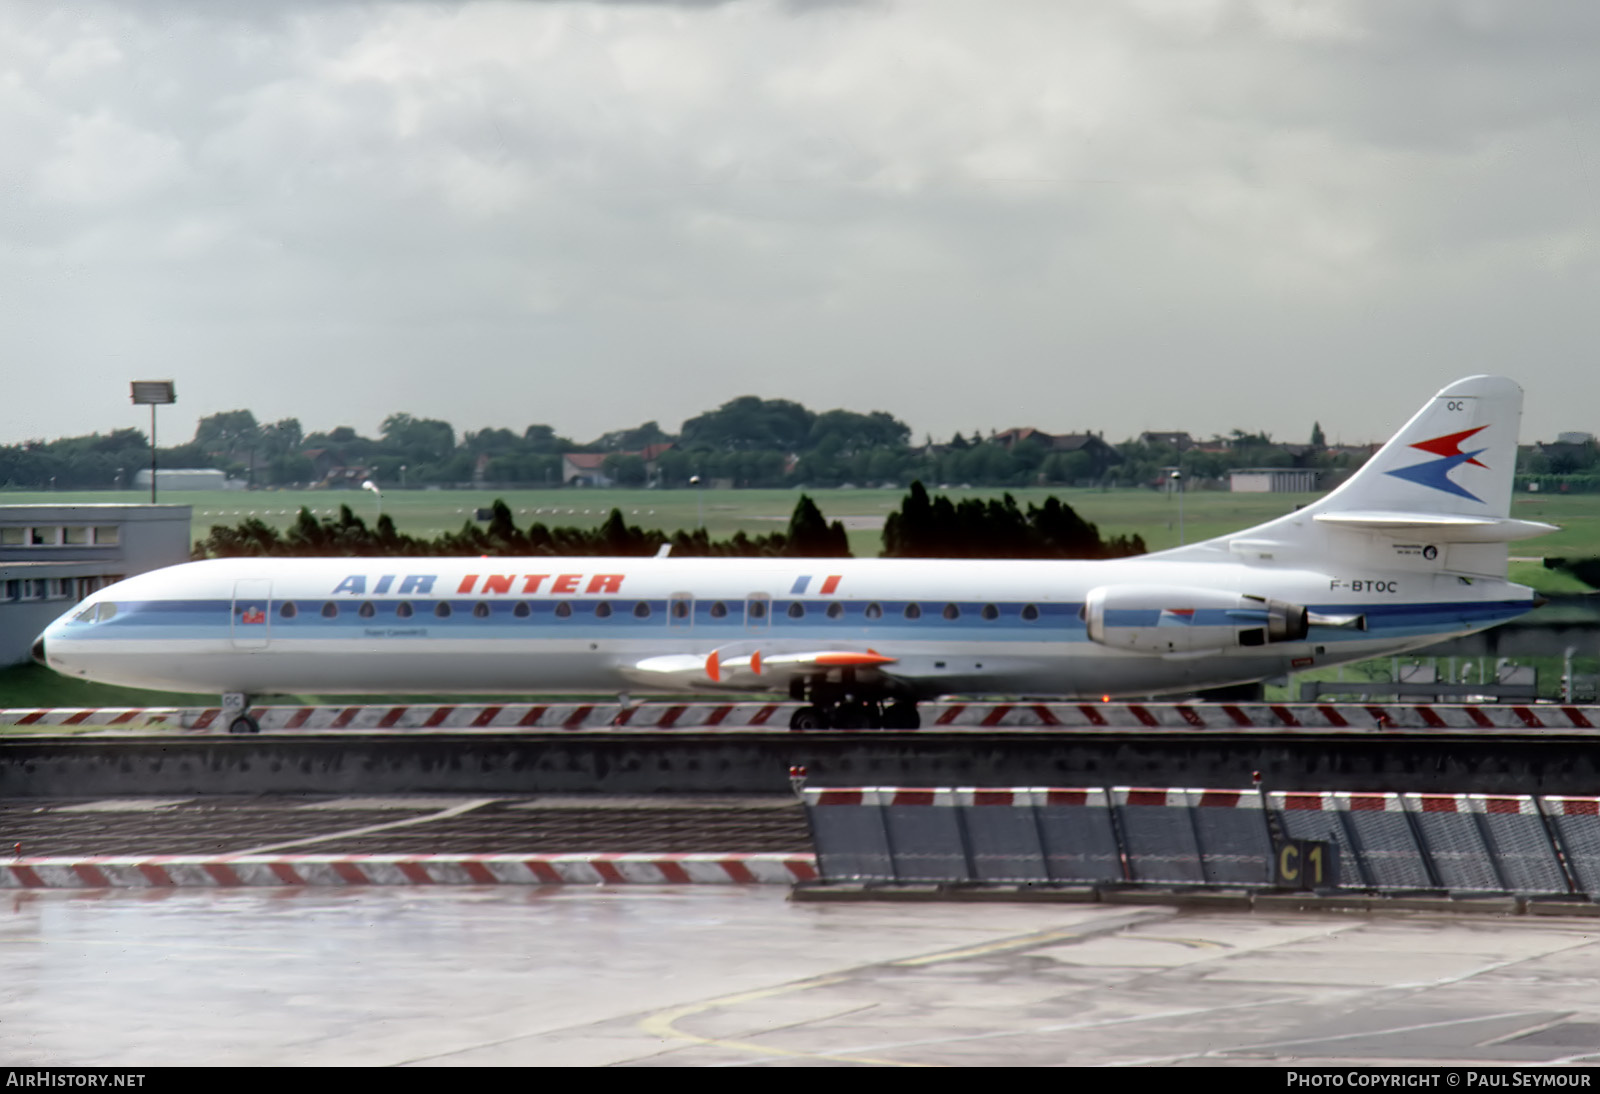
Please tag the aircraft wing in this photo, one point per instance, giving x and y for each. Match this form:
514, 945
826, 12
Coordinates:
749, 671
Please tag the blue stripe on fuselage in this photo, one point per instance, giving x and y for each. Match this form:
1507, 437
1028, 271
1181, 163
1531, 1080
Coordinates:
200, 619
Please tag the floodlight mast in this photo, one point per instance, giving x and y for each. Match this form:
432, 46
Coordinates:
154, 393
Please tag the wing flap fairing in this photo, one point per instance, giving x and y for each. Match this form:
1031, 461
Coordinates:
747, 671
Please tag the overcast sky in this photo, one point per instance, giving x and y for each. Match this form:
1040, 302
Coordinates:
1119, 215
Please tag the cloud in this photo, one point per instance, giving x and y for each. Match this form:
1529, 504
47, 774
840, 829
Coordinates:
1072, 215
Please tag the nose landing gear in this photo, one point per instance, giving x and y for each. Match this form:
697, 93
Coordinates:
236, 712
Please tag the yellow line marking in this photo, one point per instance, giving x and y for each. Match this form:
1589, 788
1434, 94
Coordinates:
1192, 943
664, 1025
1005, 945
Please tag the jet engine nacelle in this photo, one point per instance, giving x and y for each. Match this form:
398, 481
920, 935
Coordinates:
1174, 619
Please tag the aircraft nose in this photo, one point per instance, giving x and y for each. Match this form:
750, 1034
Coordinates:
38, 649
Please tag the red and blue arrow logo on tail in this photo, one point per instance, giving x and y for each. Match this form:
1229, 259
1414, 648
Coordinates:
1435, 474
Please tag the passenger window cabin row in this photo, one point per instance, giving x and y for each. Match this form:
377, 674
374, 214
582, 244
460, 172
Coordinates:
678, 608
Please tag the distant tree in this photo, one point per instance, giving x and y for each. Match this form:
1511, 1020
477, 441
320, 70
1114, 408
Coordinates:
811, 536
281, 437
491, 442
625, 470
230, 439
631, 440
928, 527
419, 439
749, 423
340, 435
543, 439
348, 535
852, 432
226, 433
1318, 440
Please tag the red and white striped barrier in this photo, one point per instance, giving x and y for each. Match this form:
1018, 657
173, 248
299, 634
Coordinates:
170, 718
162, 871
952, 796
1136, 717
451, 717
1330, 801
1027, 796
1259, 716
1565, 806
1492, 804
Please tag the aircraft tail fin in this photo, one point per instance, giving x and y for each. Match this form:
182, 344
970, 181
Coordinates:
1456, 456
1444, 479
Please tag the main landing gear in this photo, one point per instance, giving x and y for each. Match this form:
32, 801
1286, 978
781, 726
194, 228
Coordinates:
836, 706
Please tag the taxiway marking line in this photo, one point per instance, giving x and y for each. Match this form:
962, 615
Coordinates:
663, 1024
1082, 932
1003, 946
1389, 1032
1190, 943
1062, 1027
1560, 1018
453, 811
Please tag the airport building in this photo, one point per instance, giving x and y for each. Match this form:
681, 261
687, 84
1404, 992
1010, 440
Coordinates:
1273, 480
52, 556
188, 478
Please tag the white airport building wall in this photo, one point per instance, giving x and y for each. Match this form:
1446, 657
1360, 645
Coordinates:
52, 556
188, 478
1273, 480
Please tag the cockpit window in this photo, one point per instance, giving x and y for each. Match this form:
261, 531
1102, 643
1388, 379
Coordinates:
96, 613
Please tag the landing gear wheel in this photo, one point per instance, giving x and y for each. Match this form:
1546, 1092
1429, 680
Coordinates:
902, 716
853, 716
809, 718
244, 724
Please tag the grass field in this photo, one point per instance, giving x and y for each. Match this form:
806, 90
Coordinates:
723, 512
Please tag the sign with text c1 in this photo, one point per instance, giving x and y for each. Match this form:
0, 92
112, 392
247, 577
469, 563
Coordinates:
1306, 864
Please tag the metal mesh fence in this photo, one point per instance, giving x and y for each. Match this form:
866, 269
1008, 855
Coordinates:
1519, 843
1158, 836
1005, 843
1080, 842
926, 842
1235, 844
1387, 842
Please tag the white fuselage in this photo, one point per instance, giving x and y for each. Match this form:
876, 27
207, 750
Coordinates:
585, 625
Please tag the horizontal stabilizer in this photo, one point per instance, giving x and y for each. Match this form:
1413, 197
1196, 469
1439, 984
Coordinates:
1445, 527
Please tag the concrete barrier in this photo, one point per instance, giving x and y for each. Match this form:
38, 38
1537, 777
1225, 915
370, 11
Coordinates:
279, 871
567, 717
752, 761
